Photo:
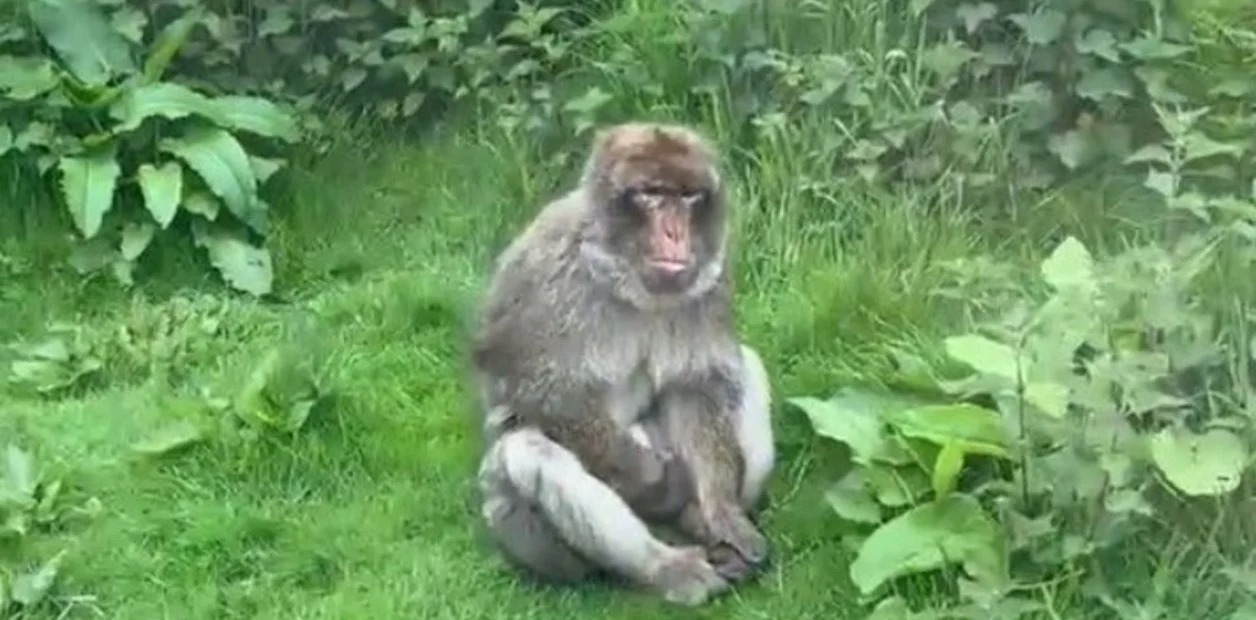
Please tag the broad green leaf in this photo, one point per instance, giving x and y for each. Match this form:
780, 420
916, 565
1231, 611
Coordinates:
164, 99
946, 59
1149, 48
278, 20
1163, 183
851, 499
896, 486
352, 78
947, 467
1199, 146
168, 44
30, 588
81, 35
1099, 42
264, 167
951, 529
129, 22
853, 417
1118, 501
1211, 463
1099, 84
1050, 398
1072, 147
974, 14
1156, 81
162, 188
860, 429
135, 239
590, 101
88, 184
19, 475
976, 429
24, 78
221, 162
6, 139
1042, 27
1151, 152
170, 438
255, 115
412, 103
1070, 266
243, 266
299, 414
984, 355
203, 204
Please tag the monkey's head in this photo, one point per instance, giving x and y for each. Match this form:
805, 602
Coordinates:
657, 199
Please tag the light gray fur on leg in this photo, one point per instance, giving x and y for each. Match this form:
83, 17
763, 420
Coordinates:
753, 425
552, 518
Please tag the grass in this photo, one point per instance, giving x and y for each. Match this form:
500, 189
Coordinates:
380, 252
367, 513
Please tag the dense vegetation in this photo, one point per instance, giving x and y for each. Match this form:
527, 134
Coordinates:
995, 254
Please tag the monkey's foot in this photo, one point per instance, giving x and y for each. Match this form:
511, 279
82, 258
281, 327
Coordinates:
688, 579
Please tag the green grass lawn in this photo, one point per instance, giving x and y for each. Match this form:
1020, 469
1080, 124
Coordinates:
367, 512
381, 249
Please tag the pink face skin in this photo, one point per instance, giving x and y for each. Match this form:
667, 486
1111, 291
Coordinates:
668, 220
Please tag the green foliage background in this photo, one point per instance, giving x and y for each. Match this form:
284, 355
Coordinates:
1082, 393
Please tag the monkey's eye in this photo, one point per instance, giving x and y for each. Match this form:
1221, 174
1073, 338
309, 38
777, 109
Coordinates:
702, 200
629, 200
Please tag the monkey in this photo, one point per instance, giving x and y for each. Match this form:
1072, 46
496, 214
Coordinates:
614, 303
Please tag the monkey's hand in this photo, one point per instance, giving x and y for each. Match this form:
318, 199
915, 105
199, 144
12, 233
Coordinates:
662, 486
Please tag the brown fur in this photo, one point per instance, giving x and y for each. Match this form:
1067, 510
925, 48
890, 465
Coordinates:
578, 339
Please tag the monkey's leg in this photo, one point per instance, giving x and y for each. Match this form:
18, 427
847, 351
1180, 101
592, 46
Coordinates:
752, 424
533, 487
729, 446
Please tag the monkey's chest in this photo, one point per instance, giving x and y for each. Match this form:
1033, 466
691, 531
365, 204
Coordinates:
637, 368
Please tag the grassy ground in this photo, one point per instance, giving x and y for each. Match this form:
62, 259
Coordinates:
366, 513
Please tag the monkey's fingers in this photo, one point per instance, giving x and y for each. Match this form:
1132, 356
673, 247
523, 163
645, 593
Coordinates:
729, 564
733, 528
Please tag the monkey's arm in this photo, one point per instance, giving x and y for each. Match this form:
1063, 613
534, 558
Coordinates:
697, 416
648, 480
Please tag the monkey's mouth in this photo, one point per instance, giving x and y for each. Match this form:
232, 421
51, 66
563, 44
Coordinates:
668, 275
670, 267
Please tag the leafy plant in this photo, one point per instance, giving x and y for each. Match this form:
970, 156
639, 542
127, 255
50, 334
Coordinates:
1086, 417
117, 136
278, 398
30, 501
64, 359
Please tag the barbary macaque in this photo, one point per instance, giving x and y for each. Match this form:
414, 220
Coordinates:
615, 391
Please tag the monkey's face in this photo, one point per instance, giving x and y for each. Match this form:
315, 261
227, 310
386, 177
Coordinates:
659, 192
663, 233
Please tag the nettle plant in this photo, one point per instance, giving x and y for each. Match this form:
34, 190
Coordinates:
957, 91
79, 107
395, 60
1074, 413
